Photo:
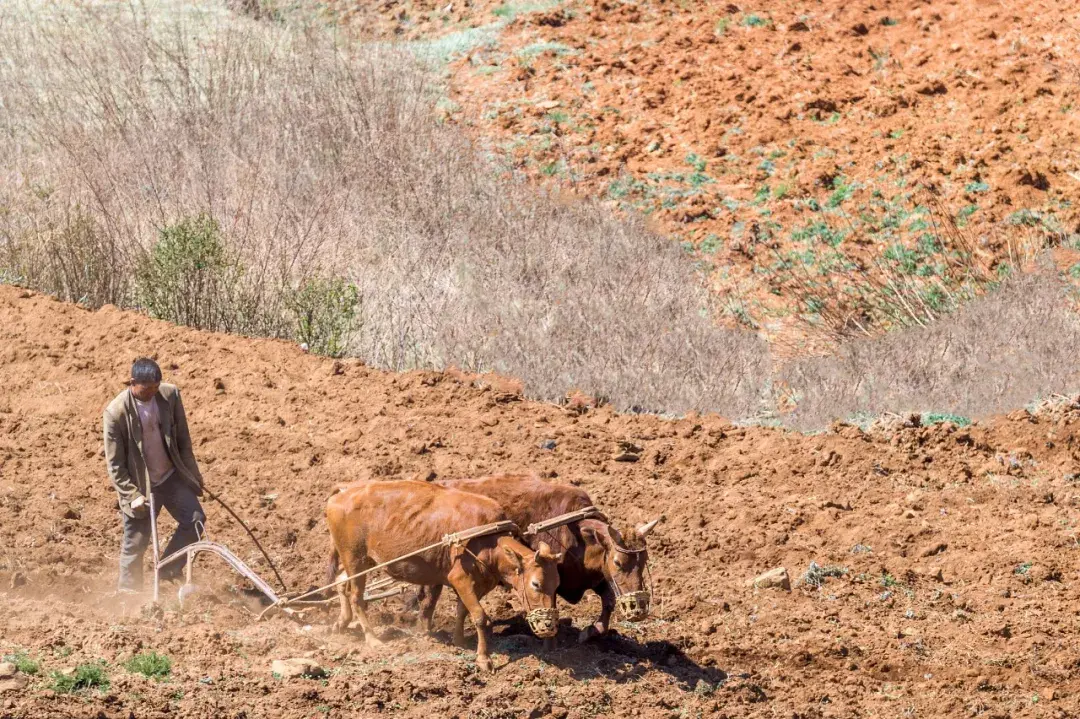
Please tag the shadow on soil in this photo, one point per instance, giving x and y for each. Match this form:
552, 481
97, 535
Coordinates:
613, 656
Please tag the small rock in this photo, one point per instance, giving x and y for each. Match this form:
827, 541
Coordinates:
293, 668
548, 104
338, 368
548, 444
708, 626
219, 385
773, 579
626, 457
12, 684
7, 670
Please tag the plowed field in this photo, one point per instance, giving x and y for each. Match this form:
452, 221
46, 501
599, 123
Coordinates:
948, 562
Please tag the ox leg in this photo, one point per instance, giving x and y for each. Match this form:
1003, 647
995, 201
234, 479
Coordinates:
427, 607
359, 607
467, 600
352, 597
345, 616
607, 600
459, 625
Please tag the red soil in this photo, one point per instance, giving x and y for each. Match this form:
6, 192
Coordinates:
959, 598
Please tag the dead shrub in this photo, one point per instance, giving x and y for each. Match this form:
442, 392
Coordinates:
994, 354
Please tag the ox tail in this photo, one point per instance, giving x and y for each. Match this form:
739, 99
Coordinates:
332, 571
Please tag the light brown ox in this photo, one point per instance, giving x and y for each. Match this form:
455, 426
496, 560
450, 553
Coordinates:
595, 556
374, 522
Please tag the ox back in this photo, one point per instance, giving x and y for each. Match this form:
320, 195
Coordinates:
387, 519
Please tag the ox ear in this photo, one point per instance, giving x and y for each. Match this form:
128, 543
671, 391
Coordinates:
544, 552
515, 558
644, 529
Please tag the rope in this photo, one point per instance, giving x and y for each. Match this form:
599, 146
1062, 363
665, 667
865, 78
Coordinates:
448, 540
211, 495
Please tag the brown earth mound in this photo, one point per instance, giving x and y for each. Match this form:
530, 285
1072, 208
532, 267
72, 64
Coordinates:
934, 570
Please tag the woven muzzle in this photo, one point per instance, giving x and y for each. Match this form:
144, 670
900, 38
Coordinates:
543, 622
634, 606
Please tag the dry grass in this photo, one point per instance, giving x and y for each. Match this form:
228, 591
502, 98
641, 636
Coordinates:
994, 354
317, 161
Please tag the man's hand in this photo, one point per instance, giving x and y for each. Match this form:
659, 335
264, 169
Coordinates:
139, 508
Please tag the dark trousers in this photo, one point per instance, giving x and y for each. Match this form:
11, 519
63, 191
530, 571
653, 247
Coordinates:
175, 495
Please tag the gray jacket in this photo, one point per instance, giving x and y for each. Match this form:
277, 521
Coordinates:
123, 445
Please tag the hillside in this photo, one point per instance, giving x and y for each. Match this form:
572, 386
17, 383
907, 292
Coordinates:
953, 551
838, 168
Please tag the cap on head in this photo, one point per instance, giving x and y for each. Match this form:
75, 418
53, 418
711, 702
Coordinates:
145, 371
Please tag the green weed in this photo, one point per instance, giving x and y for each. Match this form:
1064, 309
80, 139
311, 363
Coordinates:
712, 243
889, 581
325, 312
753, 20
85, 676
696, 161
816, 575
24, 663
842, 192
150, 664
929, 418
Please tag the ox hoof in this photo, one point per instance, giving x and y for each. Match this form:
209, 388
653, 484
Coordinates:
459, 642
373, 641
340, 627
589, 632
485, 664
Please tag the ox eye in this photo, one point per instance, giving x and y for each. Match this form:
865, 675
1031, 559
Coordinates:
535, 585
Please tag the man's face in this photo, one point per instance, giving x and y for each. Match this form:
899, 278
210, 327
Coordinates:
144, 392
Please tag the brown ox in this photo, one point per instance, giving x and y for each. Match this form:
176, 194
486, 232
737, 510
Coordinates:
594, 555
374, 522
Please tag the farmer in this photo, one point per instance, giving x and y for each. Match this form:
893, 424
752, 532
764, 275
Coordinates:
148, 449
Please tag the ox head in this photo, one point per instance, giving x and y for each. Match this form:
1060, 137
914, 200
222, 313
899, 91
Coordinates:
534, 577
623, 560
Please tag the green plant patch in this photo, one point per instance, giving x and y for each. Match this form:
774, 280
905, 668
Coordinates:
24, 663
754, 20
816, 575
841, 193
929, 418
326, 313
819, 231
83, 678
151, 665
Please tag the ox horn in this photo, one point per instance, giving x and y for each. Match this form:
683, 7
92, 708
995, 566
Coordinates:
544, 551
644, 529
